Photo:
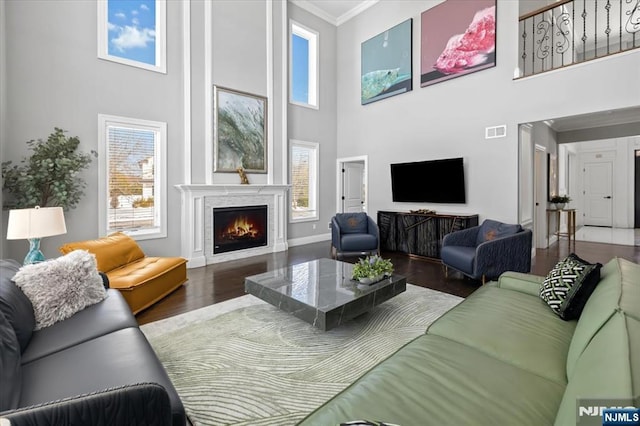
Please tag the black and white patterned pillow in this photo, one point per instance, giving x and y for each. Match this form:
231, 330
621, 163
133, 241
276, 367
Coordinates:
568, 286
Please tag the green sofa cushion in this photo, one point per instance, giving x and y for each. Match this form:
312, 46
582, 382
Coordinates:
433, 380
618, 290
514, 327
606, 369
604, 356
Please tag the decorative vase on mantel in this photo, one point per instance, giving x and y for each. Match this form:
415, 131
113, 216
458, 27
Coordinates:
560, 206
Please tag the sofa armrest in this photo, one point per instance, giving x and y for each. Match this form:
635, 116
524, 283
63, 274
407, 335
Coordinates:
464, 237
142, 403
518, 281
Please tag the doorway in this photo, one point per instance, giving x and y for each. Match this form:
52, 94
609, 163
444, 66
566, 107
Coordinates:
352, 184
598, 205
540, 195
636, 188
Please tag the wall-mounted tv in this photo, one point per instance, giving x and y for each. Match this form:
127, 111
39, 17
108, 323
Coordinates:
435, 181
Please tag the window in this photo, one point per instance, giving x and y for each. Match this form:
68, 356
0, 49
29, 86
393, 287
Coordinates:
132, 174
132, 32
303, 66
304, 181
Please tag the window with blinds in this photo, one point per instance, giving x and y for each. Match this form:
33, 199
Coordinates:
304, 180
133, 176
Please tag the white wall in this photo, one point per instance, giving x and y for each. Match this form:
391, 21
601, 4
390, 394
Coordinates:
54, 78
318, 125
448, 119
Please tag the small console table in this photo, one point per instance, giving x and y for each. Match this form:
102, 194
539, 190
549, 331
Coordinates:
571, 224
419, 234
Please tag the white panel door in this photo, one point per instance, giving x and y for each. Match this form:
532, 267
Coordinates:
598, 199
352, 188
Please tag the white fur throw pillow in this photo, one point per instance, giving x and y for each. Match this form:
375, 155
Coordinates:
58, 288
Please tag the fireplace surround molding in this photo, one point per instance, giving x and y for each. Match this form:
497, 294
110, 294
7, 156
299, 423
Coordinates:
198, 202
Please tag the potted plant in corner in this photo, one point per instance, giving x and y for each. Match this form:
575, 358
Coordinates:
372, 269
49, 177
559, 201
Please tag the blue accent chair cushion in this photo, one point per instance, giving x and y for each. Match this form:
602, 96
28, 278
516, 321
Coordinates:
352, 223
491, 229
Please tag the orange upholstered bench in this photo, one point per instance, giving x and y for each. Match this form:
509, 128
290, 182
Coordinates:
142, 280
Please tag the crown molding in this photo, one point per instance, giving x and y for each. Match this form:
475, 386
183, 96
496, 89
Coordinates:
337, 21
355, 11
311, 8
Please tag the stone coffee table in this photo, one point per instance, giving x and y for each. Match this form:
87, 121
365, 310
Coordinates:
321, 291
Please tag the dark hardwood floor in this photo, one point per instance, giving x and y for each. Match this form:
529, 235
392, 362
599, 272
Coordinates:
219, 282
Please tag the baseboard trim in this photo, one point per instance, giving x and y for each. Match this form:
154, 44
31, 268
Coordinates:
309, 240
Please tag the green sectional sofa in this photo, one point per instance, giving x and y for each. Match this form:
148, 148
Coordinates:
503, 357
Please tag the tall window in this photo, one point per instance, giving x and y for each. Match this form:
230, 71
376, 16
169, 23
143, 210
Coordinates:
303, 66
132, 171
133, 32
304, 181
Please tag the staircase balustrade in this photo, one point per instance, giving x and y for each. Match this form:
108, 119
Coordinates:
573, 31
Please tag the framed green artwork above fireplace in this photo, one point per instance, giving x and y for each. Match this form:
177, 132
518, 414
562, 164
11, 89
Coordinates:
239, 131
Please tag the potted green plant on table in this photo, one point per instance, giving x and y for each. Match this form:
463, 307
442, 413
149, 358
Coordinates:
559, 201
372, 269
50, 176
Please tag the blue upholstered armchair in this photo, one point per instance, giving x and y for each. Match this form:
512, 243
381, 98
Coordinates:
486, 251
353, 233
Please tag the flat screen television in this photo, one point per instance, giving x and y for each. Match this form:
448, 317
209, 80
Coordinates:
434, 181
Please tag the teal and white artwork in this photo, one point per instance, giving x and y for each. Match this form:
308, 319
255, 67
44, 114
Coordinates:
240, 125
386, 66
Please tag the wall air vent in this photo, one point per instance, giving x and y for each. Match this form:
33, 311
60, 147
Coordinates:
495, 132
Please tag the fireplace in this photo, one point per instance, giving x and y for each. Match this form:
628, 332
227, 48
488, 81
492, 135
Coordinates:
239, 228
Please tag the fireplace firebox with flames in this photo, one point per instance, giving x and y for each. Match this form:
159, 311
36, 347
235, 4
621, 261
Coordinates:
239, 228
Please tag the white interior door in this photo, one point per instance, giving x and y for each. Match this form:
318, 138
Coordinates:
352, 187
598, 193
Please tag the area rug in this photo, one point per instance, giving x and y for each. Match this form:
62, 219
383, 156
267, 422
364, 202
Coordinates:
244, 362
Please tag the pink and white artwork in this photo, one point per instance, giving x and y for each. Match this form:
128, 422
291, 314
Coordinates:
458, 37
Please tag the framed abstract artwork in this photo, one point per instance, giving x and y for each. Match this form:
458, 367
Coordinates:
386, 65
240, 131
457, 38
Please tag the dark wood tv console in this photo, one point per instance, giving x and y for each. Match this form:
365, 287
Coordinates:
419, 234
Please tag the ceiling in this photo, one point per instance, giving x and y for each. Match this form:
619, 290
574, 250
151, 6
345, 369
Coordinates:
335, 12
596, 119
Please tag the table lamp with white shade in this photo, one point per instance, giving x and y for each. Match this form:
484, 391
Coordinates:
33, 224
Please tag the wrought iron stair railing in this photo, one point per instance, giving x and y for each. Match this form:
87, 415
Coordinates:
569, 32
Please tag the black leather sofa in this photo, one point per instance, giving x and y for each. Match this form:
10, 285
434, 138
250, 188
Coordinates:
94, 368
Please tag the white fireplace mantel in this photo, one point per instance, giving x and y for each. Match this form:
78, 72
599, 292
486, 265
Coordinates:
198, 201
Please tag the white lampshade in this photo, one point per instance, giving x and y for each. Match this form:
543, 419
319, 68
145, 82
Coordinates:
35, 223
